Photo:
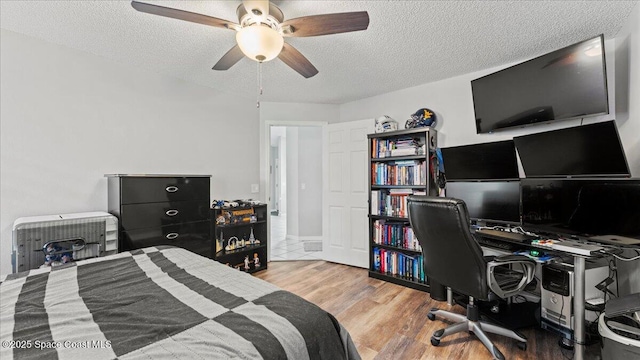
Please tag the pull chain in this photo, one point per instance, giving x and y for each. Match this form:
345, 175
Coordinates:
259, 83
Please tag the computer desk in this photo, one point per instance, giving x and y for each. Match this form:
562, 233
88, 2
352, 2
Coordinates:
579, 269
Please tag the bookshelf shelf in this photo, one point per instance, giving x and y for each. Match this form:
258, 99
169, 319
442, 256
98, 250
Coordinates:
389, 218
398, 158
398, 186
399, 166
399, 281
399, 249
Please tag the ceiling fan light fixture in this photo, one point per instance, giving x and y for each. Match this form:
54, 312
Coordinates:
259, 43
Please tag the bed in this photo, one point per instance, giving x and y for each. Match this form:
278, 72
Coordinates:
160, 303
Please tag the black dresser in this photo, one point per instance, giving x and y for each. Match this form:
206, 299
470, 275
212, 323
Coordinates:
162, 210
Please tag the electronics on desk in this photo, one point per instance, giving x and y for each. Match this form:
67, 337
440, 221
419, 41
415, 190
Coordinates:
489, 202
505, 235
572, 152
486, 161
557, 294
537, 89
616, 240
589, 208
572, 247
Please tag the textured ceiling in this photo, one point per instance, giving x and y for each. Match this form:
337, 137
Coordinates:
408, 42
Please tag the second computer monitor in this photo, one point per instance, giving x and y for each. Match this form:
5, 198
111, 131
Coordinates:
489, 202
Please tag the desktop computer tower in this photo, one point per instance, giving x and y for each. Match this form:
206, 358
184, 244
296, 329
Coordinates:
556, 295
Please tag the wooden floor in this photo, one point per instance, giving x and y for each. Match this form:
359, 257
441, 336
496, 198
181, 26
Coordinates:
388, 321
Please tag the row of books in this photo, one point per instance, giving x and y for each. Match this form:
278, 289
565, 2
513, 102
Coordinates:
392, 202
381, 148
398, 264
408, 172
395, 234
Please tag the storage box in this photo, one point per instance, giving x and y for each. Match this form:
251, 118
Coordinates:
615, 345
98, 231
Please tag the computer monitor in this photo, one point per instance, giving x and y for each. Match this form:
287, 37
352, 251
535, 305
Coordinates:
582, 208
489, 202
485, 161
581, 151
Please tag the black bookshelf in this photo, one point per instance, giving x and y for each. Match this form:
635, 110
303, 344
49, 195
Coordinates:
396, 171
234, 244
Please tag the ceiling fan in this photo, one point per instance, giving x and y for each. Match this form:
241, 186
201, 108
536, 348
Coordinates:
261, 30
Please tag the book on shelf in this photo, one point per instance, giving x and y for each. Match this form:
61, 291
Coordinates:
382, 148
406, 172
375, 202
392, 202
395, 234
403, 152
398, 264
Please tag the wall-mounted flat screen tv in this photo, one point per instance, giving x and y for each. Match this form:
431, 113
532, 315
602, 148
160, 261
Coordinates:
491, 202
581, 151
564, 84
486, 161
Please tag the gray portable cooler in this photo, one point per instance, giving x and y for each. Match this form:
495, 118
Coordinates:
619, 327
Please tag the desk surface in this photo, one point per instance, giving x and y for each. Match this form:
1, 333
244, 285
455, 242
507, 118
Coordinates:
515, 241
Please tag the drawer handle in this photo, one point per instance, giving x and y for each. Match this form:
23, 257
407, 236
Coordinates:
171, 212
171, 189
172, 236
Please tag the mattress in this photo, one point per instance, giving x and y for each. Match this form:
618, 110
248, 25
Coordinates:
160, 303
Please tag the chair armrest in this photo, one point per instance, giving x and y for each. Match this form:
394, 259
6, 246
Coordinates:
518, 262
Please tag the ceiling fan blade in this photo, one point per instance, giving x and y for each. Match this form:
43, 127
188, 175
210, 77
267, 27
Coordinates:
292, 57
326, 24
229, 59
183, 15
258, 9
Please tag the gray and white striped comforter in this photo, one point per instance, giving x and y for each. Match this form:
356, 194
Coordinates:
156, 303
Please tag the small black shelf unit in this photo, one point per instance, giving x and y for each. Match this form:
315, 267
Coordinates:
399, 163
240, 237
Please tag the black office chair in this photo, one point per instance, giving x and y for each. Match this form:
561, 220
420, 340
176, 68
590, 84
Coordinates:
453, 258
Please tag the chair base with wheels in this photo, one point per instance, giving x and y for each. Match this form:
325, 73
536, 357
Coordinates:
473, 324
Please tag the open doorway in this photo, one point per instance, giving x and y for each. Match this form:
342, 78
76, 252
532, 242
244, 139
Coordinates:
295, 192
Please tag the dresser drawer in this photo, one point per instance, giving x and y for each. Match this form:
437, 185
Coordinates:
137, 216
191, 236
135, 190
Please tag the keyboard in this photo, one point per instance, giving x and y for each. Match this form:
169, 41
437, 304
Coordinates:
505, 235
508, 246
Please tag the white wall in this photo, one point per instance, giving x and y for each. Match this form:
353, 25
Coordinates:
310, 181
304, 181
628, 119
301, 115
627, 88
452, 102
274, 113
69, 117
292, 176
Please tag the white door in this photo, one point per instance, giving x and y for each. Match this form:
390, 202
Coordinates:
345, 205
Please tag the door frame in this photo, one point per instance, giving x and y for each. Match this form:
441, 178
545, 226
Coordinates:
265, 155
